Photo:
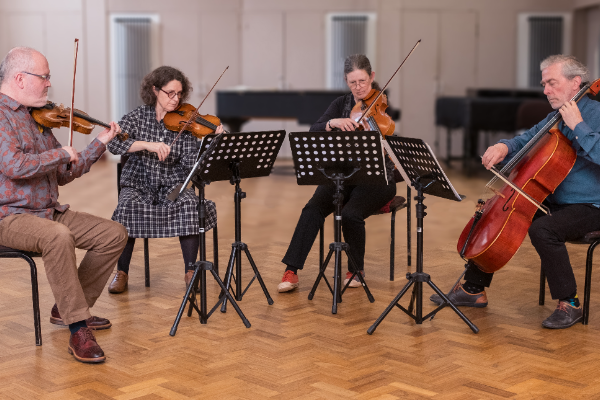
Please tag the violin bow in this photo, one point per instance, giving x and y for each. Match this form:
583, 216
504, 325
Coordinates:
388, 82
72, 100
195, 113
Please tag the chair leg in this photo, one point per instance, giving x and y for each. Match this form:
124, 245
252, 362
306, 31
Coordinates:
392, 244
216, 250
408, 216
147, 262
542, 287
36, 300
321, 246
588, 282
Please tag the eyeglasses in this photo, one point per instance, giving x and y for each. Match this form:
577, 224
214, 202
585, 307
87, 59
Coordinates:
173, 94
359, 83
44, 77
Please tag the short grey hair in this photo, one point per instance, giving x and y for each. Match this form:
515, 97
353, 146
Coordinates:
571, 67
18, 59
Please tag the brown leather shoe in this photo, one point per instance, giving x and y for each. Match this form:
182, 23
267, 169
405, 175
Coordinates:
84, 347
459, 297
95, 323
119, 283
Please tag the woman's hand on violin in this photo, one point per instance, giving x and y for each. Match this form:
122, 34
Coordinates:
494, 154
344, 124
109, 133
220, 129
162, 150
571, 114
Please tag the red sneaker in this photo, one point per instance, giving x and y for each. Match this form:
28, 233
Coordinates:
288, 282
355, 282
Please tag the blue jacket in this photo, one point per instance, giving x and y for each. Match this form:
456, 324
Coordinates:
582, 184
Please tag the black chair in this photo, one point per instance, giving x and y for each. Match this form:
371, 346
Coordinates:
593, 239
7, 252
397, 203
530, 112
120, 165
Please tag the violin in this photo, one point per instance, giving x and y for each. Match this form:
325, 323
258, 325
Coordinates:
372, 117
55, 116
199, 126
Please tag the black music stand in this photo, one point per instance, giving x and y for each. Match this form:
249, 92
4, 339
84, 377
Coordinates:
351, 158
242, 156
202, 174
418, 165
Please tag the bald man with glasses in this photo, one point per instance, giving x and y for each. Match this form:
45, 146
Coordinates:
32, 166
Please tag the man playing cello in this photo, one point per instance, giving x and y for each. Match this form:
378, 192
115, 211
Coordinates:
575, 204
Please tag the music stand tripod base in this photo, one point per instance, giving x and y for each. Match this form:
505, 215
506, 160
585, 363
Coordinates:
200, 269
418, 165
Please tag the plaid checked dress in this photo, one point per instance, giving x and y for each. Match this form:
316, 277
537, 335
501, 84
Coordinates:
145, 181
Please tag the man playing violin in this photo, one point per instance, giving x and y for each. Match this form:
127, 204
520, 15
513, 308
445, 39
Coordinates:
575, 204
359, 201
32, 166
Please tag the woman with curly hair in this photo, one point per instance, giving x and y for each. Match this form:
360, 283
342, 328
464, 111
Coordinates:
153, 170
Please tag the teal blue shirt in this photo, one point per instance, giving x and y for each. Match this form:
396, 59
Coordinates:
582, 184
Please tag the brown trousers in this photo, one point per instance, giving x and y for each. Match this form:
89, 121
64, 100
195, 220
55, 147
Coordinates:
75, 290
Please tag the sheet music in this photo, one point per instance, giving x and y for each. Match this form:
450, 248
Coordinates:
414, 158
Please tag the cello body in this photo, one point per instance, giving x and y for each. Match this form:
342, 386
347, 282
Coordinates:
507, 216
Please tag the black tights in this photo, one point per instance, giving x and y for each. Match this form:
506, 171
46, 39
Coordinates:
189, 249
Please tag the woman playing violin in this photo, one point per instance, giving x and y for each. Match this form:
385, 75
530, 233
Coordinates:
359, 201
153, 170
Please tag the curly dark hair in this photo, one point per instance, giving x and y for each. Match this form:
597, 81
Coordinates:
159, 78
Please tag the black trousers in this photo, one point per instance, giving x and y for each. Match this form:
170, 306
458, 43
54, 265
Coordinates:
359, 202
548, 234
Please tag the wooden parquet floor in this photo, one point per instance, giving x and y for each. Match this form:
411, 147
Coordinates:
296, 349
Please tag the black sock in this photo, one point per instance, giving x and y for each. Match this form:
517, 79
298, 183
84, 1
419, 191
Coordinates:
472, 288
572, 299
293, 269
125, 259
75, 326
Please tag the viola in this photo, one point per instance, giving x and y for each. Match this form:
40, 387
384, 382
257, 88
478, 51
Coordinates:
199, 125
55, 116
371, 116
500, 224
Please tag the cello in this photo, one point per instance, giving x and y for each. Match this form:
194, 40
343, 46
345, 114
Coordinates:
495, 232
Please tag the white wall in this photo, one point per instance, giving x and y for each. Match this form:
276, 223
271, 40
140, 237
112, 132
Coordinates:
281, 44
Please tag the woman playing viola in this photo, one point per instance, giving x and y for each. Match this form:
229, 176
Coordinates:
153, 170
359, 201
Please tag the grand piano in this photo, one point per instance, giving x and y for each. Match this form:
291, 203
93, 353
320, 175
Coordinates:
236, 107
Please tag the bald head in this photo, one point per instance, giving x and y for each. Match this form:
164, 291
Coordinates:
18, 59
18, 77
